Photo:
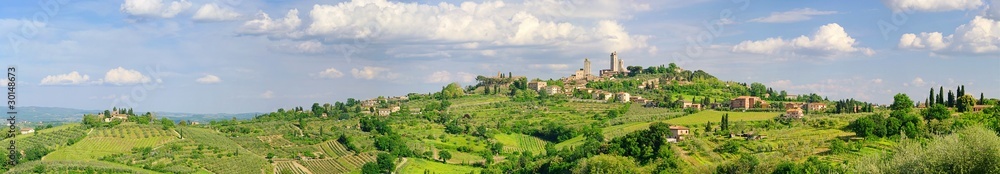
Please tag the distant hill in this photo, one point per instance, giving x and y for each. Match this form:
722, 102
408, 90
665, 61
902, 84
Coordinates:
57, 114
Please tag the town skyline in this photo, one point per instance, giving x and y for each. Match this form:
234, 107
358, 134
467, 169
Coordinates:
256, 56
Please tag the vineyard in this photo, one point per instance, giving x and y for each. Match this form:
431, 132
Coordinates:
289, 167
344, 164
415, 165
715, 116
75, 167
241, 162
333, 149
520, 142
52, 140
276, 141
111, 142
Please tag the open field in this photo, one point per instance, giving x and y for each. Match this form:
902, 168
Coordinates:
715, 116
414, 165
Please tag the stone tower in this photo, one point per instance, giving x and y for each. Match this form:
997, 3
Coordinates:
614, 61
586, 67
621, 65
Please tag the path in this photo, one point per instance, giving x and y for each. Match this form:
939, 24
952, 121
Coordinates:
401, 164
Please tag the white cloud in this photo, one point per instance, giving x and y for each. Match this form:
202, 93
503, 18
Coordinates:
549, 66
488, 52
330, 73
72, 78
154, 8
264, 25
212, 12
439, 77
371, 72
304, 47
448, 77
795, 15
877, 81
918, 82
932, 5
466, 77
122, 76
584, 24
992, 11
979, 36
267, 94
208, 79
829, 40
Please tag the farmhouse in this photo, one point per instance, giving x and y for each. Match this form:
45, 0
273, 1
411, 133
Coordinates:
537, 86
27, 130
384, 112
622, 97
816, 106
688, 104
746, 102
677, 133
978, 108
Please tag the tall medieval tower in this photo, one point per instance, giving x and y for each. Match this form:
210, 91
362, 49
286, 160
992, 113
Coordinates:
586, 66
614, 61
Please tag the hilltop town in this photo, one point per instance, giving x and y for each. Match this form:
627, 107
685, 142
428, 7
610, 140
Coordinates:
625, 119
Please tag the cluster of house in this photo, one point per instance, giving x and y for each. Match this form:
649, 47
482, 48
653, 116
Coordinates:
115, 115
373, 104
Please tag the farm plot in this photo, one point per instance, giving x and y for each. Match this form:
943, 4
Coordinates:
520, 142
714, 116
416, 165
288, 167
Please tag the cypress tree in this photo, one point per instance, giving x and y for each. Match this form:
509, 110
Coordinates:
930, 99
951, 99
940, 97
982, 99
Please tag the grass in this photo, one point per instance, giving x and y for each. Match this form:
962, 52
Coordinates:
715, 116
416, 165
92, 148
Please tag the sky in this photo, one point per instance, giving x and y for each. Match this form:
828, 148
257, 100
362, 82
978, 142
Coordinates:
236, 56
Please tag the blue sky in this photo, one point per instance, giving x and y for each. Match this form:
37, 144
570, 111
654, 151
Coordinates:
256, 56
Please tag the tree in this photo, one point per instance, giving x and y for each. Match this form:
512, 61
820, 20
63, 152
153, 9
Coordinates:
444, 155
386, 162
965, 103
167, 123
370, 168
940, 97
930, 99
901, 102
951, 99
982, 99
708, 126
606, 164
937, 111
453, 90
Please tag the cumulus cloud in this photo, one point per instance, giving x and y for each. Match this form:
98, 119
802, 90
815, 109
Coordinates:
303, 47
795, 15
122, 76
264, 25
439, 77
549, 66
330, 73
154, 8
468, 24
829, 40
72, 78
371, 72
979, 36
932, 5
448, 77
208, 79
212, 12
918, 82
267, 94
992, 11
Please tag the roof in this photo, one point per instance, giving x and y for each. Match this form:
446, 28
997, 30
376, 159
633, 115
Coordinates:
678, 128
27, 129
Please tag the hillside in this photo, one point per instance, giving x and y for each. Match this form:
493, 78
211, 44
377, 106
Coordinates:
502, 125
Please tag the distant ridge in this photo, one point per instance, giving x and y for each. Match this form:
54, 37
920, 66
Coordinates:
59, 114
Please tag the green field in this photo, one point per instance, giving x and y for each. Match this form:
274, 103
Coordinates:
416, 165
520, 142
715, 116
